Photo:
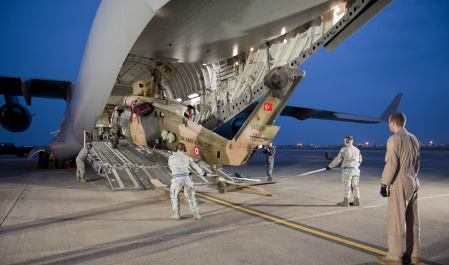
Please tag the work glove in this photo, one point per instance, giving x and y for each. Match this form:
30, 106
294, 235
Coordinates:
328, 168
383, 190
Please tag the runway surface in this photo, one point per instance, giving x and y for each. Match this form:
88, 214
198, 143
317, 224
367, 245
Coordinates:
46, 217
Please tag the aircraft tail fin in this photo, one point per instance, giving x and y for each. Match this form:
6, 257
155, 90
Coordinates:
392, 108
258, 128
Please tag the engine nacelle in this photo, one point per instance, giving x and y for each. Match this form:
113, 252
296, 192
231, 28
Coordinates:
16, 119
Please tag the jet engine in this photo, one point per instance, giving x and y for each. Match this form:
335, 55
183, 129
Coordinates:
15, 117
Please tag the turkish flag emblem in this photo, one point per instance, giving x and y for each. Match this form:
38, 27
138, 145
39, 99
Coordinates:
268, 106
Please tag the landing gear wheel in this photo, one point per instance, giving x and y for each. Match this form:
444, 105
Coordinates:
43, 160
221, 187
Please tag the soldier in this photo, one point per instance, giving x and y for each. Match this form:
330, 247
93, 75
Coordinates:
269, 160
350, 171
80, 158
106, 135
179, 164
401, 176
157, 85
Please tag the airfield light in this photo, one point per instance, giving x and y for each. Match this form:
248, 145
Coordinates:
431, 142
194, 95
366, 143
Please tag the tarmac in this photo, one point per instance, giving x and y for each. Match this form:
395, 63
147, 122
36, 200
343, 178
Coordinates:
46, 217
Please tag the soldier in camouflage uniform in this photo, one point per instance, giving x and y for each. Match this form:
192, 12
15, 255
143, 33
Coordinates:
157, 87
80, 158
179, 164
269, 160
351, 157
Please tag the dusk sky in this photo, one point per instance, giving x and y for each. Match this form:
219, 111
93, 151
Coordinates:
402, 50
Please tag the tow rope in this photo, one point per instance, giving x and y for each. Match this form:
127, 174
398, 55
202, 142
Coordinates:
303, 174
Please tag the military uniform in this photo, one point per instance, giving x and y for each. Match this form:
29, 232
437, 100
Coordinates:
401, 174
80, 158
157, 85
179, 164
269, 160
350, 173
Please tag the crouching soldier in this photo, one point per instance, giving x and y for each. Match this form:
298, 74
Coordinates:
179, 164
80, 159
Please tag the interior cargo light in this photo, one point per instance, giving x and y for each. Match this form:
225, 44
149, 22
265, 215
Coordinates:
194, 95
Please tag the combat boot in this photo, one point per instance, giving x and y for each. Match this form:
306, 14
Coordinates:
82, 179
176, 215
356, 202
344, 203
78, 178
196, 215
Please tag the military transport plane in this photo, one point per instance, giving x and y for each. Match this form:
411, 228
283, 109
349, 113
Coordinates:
218, 58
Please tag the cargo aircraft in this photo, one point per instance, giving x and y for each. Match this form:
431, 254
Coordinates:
218, 59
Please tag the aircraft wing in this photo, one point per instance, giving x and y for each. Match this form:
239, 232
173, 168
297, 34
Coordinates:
14, 116
229, 129
42, 88
306, 113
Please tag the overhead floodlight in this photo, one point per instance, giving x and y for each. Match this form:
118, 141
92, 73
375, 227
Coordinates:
235, 50
178, 99
194, 95
251, 49
285, 40
236, 63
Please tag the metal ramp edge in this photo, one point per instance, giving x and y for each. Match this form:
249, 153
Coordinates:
133, 167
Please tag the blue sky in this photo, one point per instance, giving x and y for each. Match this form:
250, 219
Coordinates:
401, 50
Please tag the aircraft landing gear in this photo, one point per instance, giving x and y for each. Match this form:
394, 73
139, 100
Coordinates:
220, 185
59, 164
43, 160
